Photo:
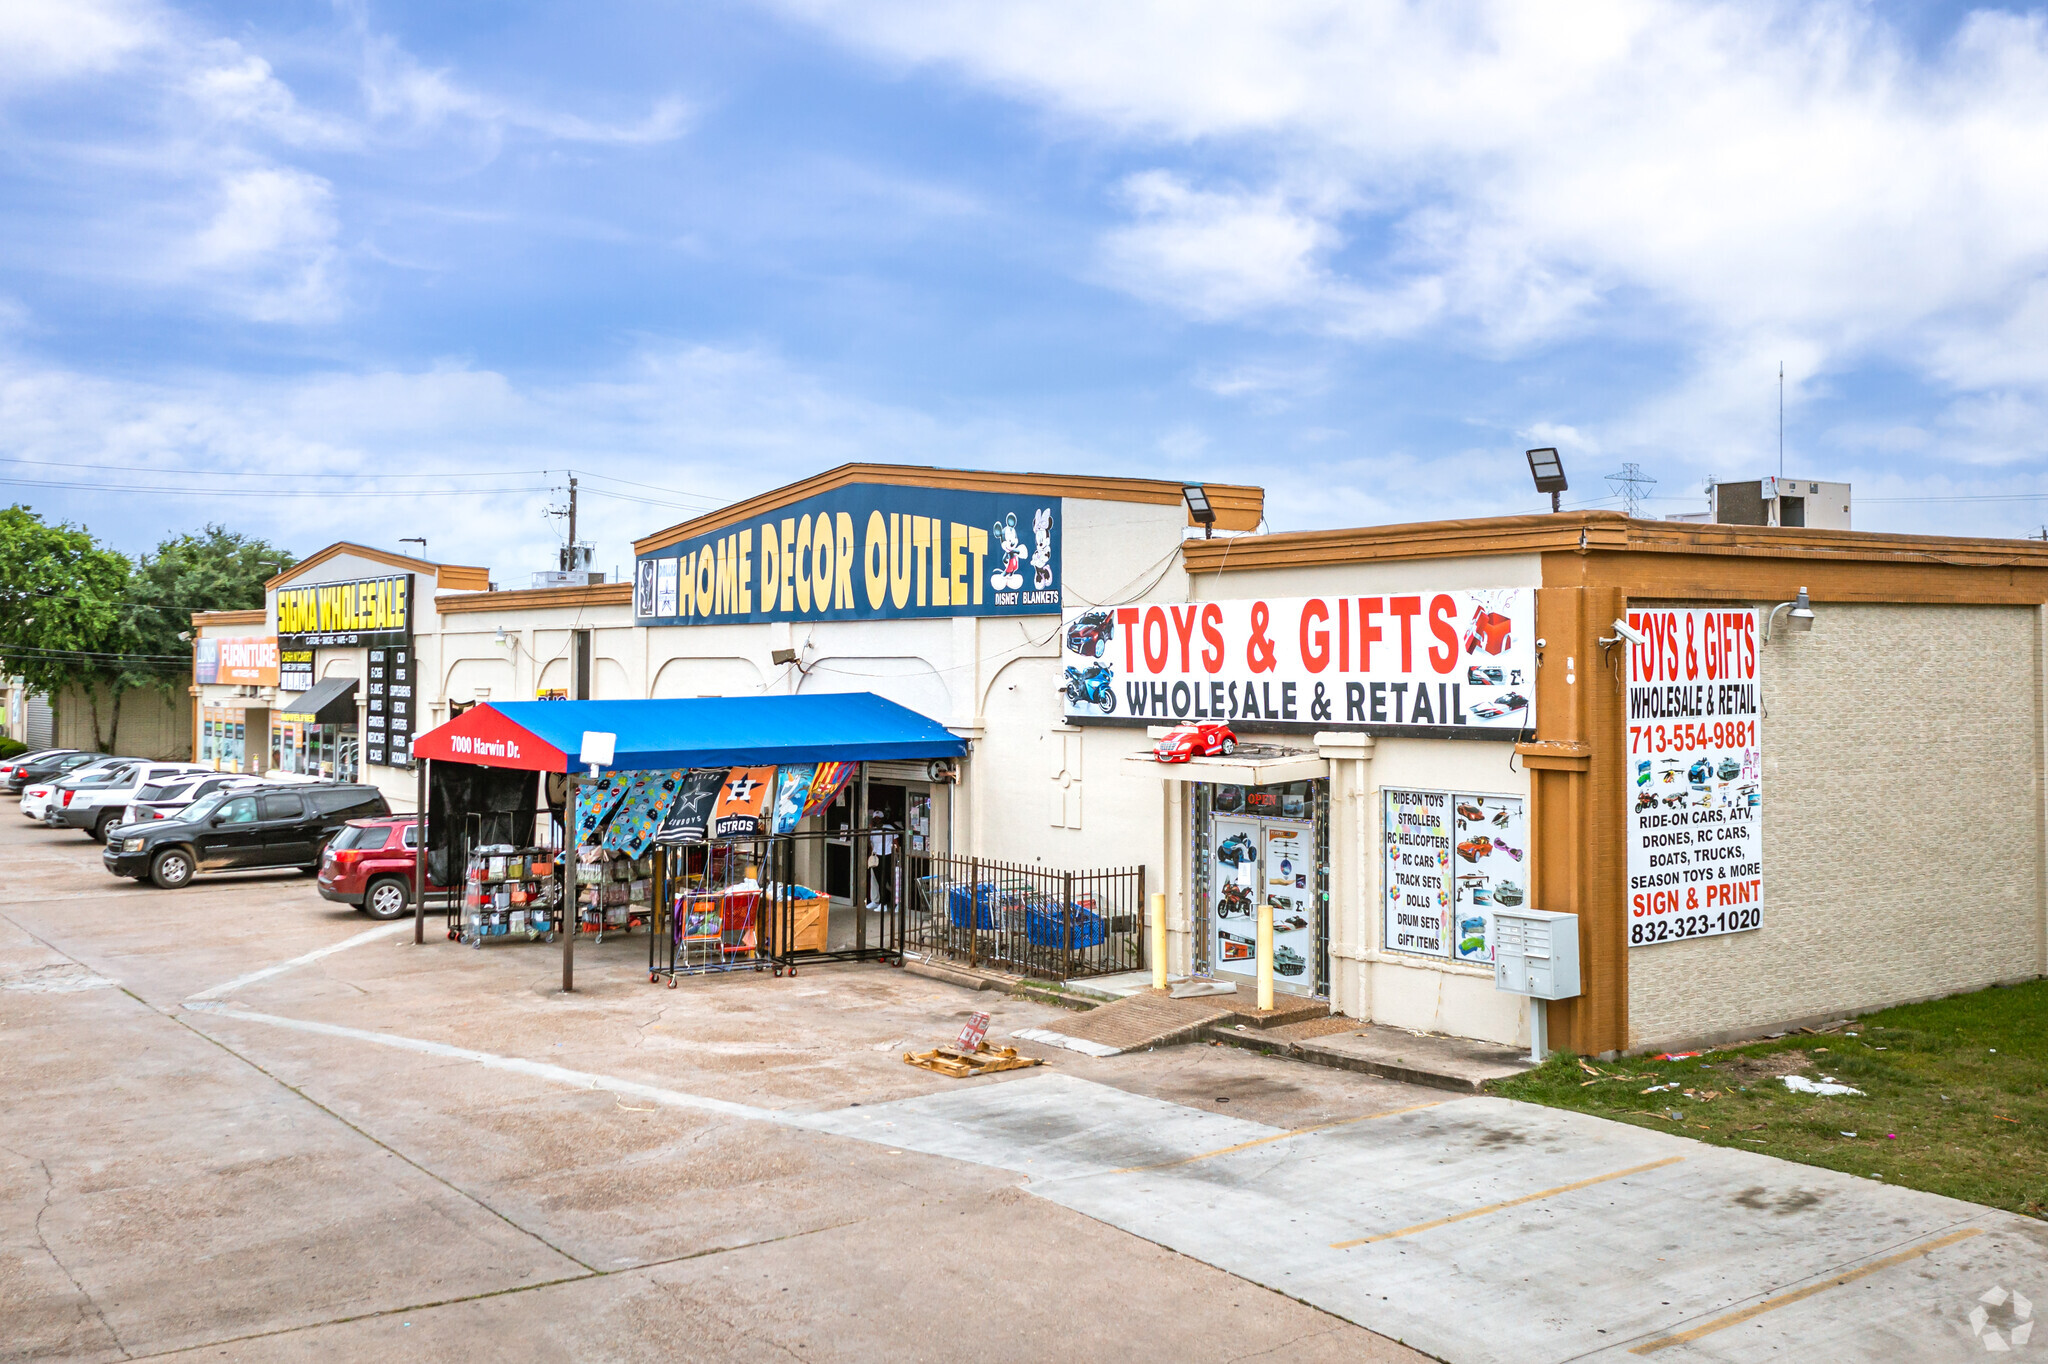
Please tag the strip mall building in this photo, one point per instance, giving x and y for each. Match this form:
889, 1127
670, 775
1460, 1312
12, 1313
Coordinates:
1761, 816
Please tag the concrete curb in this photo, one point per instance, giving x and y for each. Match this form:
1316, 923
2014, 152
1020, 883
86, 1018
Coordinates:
1251, 1040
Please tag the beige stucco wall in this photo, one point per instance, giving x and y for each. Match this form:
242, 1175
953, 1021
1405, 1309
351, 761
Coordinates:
1902, 827
152, 725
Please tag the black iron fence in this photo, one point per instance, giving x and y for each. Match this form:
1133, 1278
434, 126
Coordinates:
1031, 920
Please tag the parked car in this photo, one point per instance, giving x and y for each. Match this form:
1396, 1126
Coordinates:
238, 829
14, 772
1198, 740
165, 798
97, 802
37, 794
370, 865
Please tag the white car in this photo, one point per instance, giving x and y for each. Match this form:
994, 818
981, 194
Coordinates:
96, 803
36, 796
166, 797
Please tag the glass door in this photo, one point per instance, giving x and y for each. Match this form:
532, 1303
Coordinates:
1254, 861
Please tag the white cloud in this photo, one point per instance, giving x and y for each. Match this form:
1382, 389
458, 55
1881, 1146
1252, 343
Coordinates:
708, 425
1750, 178
43, 41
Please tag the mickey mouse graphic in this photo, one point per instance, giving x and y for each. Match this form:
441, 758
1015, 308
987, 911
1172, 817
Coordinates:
1041, 557
1007, 574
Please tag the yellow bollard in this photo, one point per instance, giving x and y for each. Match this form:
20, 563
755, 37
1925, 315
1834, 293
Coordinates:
1266, 955
1158, 940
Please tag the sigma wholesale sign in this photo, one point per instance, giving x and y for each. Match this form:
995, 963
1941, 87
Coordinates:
1695, 750
1440, 664
346, 615
867, 551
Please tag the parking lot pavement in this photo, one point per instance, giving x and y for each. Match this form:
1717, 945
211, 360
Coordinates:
392, 1149
430, 1149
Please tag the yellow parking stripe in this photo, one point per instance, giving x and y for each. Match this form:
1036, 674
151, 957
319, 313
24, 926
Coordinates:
1502, 1207
1277, 1136
1797, 1294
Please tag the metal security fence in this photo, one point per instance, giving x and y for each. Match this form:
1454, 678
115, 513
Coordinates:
1031, 920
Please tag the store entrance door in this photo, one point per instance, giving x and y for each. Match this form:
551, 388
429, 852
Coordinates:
1254, 860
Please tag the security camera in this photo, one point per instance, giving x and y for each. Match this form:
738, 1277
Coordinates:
1624, 630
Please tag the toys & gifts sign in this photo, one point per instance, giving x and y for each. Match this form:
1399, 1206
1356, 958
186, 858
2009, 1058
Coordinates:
1695, 754
1424, 663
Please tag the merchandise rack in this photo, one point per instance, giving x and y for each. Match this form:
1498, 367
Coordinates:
509, 893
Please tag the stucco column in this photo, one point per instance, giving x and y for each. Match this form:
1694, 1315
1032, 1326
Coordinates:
1354, 869
1176, 876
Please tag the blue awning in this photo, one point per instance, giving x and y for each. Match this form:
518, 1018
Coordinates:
710, 731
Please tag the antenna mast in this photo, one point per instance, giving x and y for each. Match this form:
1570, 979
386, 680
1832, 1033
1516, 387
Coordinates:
1781, 421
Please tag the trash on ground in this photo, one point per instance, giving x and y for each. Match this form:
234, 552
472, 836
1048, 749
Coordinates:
962, 1065
1676, 1055
1801, 1085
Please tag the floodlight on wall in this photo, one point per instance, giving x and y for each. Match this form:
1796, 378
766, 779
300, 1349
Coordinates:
1799, 619
1548, 471
1199, 508
781, 656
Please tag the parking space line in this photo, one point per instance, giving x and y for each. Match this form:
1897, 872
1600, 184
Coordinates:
1800, 1294
1278, 1136
541, 1070
369, 935
1502, 1207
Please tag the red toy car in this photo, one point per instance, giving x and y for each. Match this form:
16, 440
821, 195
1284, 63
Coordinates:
369, 864
1198, 740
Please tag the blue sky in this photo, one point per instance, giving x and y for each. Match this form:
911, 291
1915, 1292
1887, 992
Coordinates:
417, 261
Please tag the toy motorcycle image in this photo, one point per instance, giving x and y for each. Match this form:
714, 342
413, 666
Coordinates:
1094, 685
1234, 900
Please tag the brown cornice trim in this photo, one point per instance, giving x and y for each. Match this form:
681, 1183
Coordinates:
447, 577
536, 599
256, 617
1238, 507
1597, 537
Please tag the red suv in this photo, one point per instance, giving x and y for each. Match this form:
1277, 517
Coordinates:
369, 864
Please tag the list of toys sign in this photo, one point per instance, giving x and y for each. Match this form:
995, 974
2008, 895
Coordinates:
1424, 662
1695, 749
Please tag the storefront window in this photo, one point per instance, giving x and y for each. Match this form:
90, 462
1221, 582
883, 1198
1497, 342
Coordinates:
1262, 845
331, 752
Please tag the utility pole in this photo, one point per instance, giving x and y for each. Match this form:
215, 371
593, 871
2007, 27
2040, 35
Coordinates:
1781, 425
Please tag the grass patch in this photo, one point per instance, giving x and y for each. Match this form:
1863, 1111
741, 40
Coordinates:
1955, 1096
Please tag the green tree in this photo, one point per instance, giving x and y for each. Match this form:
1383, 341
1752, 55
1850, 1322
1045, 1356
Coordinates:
63, 624
214, 569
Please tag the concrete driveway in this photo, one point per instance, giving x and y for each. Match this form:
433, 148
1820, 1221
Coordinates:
244, 1121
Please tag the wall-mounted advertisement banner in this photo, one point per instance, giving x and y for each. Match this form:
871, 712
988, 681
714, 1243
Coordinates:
1424, 663
294, 669
1695, 755
248, 660
205, 660
346, 615
1452, 857
868, 551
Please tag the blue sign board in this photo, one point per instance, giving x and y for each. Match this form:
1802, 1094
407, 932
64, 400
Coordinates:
867, 551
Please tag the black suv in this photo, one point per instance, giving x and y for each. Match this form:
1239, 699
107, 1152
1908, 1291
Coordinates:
240, 829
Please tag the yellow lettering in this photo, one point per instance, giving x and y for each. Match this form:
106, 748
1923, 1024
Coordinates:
842, 599
977, 545
921, 536
746, 569
875, 560
803, 563
902, 560
707, 579
686, 587
788, 563
956, 576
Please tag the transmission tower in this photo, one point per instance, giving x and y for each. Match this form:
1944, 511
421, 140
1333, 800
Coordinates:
1630, 484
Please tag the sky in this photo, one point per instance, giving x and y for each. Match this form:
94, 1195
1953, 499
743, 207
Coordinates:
367, 272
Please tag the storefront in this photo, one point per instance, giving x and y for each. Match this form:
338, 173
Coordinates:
315, 735
346, 619
234, 682
703, 820
1438, 724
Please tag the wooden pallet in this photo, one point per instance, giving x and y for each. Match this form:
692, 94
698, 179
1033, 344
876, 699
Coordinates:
963, 1065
